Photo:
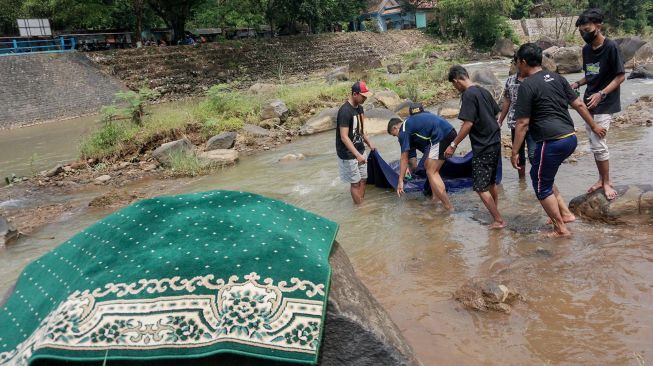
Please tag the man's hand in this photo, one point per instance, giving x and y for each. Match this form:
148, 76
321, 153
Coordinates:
372, 146
361, 159
449, 152
514, 159
594, 100
575, 85
400, 187
600, 131
499, 122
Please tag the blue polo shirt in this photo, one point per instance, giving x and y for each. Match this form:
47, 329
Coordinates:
422, 130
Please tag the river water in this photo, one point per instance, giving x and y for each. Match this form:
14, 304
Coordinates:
589, 302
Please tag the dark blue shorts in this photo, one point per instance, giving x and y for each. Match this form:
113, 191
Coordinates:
548, 157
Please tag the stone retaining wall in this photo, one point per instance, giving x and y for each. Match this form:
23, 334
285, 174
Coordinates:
43, 87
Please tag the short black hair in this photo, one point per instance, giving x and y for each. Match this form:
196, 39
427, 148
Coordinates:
531, 54
593, 15
393, 122
457, 72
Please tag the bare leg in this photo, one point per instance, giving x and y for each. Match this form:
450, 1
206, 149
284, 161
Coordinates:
550, 205
361, 188
490, 204
567, 216
355, 193
437, 184
604, 173
495, 194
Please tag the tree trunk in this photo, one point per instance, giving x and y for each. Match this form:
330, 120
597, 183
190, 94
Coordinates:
138, 12
177, 23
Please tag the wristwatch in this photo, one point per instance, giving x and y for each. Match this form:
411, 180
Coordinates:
602, 94
453, 144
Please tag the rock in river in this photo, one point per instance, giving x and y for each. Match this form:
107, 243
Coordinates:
633, 206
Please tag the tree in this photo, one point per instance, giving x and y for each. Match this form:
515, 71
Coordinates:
633, 16
174, 13
484, 21
10, 10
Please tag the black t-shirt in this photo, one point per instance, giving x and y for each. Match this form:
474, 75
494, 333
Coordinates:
544, 97
352, 117
478, 106
601, 66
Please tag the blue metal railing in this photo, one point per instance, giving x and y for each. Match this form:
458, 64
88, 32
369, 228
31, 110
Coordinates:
21, 46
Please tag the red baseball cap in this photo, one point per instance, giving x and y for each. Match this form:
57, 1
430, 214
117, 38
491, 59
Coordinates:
361, 88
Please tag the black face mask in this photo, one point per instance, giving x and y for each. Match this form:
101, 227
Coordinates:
589, 37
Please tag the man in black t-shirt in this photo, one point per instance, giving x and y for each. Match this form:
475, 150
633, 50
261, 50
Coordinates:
604, 73
351, 140
479, 113
542, 110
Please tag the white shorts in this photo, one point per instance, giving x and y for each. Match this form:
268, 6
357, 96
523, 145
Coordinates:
351, 172
599, 146
434, 151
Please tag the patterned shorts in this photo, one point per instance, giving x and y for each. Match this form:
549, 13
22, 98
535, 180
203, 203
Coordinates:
484, 169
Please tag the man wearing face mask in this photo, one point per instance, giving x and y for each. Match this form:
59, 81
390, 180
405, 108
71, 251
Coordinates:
604, 72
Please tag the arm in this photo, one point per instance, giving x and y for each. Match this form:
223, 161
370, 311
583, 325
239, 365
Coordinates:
464, 131
520, 134
344, 137
580, 107
505, 107
403, 166
596, 98
579, 83
371, 146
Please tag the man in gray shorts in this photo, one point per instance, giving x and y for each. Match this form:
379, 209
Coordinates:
351, 140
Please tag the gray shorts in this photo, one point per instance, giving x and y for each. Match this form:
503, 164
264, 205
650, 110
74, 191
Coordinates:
351, 172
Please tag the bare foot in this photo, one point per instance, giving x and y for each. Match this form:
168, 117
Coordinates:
595, 187
610, 193
565, 218
557, 234
497, 225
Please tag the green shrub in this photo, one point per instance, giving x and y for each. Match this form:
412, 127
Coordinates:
186, 164
105, 141
371, 25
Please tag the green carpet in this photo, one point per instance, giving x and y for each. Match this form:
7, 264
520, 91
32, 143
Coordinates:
177, 277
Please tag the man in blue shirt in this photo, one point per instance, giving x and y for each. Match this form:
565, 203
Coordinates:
430, 134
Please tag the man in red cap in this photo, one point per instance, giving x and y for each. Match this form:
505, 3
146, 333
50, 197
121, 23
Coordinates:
351, 140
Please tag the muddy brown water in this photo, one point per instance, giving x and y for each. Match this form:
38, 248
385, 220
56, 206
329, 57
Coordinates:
590, 302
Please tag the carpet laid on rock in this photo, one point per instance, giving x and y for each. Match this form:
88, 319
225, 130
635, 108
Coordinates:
177, 277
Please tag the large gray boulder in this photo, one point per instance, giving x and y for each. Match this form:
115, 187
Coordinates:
485, 76
388, 98
643, 55
376, 120
225, 140
163, 152
219, 157
629, 46
275, 109
486, 79
638, 114
357, 330
262, 88
403, 109
324, 121
449, 109
394, 68
8, 232
255, 131
568, 59
633, 206
504, 47
642, 72
338, 74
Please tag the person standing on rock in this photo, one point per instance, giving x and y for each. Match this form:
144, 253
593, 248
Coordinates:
479, 115
542, 110
508, 111
351, 140
430, 134
604, 73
